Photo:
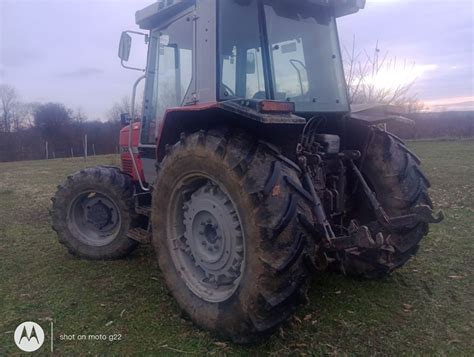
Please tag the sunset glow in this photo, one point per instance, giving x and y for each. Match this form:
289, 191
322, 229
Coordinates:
398, 76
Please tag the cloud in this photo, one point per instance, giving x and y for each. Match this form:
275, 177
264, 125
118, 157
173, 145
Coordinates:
440, 46
18, 57
83, 72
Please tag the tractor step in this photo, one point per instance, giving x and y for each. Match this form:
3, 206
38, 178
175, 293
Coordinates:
140, 235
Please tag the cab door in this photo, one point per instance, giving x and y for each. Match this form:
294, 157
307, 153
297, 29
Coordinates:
169, 82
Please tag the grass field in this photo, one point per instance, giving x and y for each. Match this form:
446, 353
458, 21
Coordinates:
425, 308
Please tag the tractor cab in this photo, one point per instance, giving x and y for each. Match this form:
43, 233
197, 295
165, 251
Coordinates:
238, 56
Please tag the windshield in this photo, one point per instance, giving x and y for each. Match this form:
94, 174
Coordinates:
300, 60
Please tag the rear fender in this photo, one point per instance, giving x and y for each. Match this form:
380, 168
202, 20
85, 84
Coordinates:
282, 129
374, 114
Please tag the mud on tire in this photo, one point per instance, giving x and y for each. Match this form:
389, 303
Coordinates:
92, 212
394, 173
274, 275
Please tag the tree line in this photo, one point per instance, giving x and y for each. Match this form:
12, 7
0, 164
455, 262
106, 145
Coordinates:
426, 125
32, 131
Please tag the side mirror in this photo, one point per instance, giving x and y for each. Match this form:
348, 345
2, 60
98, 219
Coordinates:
251, 63
125, 119
124, 46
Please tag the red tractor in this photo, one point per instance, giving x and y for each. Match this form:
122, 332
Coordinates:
248, 170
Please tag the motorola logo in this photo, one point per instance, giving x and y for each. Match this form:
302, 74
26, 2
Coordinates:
29, 336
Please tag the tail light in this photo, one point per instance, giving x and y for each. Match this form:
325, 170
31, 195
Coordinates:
271, 106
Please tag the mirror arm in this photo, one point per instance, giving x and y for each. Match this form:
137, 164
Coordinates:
137, 33
147, 39
133, 68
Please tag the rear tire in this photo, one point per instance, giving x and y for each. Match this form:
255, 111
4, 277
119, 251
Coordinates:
270, 276
395, 176
92, 213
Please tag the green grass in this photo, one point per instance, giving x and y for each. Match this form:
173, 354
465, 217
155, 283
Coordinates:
426, 308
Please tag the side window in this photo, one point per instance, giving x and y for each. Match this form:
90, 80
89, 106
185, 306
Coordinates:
174, 74
169, 74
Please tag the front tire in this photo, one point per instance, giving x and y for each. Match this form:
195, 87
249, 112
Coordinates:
92, 213
226, 231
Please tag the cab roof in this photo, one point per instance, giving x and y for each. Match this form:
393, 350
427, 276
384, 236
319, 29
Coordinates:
161, 12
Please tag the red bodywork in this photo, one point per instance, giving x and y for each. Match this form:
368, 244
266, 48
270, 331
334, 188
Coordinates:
191, 117
127, 164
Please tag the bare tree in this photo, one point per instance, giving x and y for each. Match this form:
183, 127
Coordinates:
79, 116
29, 109
22, 116
8, 103
365, 74
122, 106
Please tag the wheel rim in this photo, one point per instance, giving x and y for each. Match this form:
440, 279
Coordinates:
94, 218
206, 240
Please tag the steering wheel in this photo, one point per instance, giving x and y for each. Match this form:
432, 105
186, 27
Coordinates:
229, 91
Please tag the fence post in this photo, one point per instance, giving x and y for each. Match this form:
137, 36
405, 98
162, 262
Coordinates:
85, 147
47, 156
72, 152
93, 148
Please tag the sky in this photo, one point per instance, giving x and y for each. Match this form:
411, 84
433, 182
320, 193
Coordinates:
434, 36
66, 50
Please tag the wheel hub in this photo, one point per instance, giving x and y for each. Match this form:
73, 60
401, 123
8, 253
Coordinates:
209, 236
210, 232
99, 214
95, 218
212, 244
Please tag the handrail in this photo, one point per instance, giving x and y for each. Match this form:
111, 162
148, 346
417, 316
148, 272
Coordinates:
130, 148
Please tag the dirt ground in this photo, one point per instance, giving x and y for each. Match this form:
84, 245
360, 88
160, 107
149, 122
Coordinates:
425, 308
